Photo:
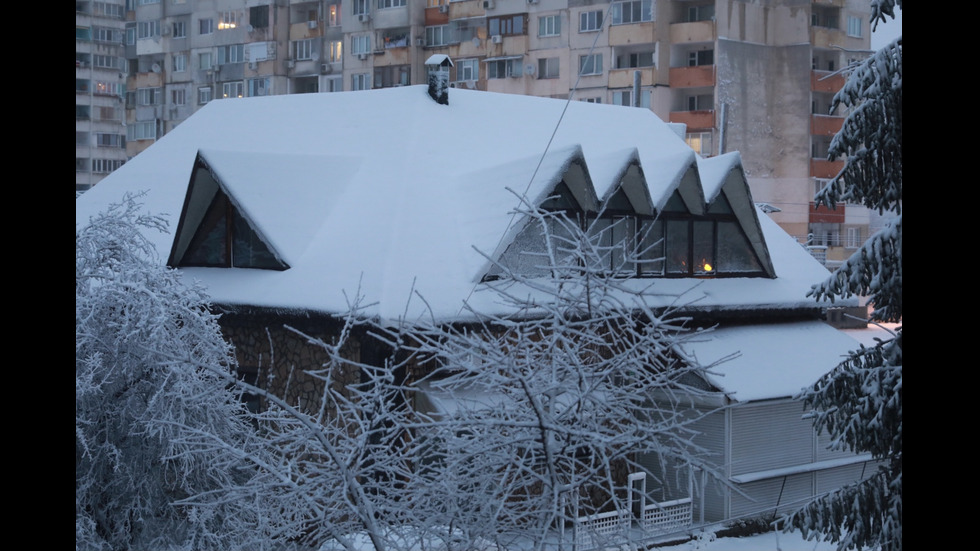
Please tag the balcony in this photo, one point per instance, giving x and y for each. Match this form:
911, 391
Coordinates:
822, 168
826, 81
695, 31
826, 37
695, 120
305, 29
825, 125
633, 33
692, 77
820, 214
623, 78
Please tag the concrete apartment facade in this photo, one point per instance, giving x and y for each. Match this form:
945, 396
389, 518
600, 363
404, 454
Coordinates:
756, 76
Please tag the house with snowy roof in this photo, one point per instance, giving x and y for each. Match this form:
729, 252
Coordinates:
284, 207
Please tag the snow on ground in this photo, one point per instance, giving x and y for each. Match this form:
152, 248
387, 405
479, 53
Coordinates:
770, 541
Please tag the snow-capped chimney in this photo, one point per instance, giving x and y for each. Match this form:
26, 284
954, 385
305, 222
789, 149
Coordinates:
438, 68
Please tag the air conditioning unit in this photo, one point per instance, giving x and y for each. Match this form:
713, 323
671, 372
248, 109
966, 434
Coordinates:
165, 31
312, 24
488, 4
326, 68
253, 65
496, 39
364, 17
532, 1
290, 63
444, 8
362, 57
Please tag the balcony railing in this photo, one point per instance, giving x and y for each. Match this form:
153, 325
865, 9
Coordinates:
822, 168
692, 77
826, 81
825, 125
695, 120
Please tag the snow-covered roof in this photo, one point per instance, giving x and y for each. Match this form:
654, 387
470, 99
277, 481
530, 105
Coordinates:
768, 361
386, 192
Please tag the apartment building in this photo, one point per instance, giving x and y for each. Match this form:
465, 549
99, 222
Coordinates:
756, 76
100, 78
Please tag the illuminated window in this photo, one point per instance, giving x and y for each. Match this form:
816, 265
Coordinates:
227, 20
234, 89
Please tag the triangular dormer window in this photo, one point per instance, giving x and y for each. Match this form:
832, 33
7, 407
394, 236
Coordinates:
213, 233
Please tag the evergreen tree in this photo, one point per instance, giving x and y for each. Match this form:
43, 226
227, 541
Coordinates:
859, 403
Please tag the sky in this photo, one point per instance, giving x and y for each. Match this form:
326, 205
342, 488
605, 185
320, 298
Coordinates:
887, 31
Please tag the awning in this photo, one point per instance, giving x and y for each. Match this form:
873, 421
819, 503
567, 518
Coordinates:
503, 58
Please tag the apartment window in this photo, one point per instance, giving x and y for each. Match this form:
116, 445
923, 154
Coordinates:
701, 57
258, 17
105, 61
204, 95
701, 102
233, 89
360, 81
464, 30
178, 97
180, 29
825, 16
206, 26
334, 84
503, 68
82, 112
103, 88
333, 15
590, 21
81, 164
625, 97
110, 114
634, 11
259, 86
437, 35
548, 67
180, 63
81, 138
83, 33
336, 51
592, 100
393, 75
105, 166
114, 11
700, 142
82, 85
103, 139
101, 34
396, 38
549, 25
303, 49
360, 44
227, 20
147, 2
234, 53
382, 4
590, 64
149, 96
205, 61
360, 7
507, 25
467, 69
700, 13
634, 60
853, 238
854, 26
147, 29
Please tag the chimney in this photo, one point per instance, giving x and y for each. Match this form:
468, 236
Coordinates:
438, 68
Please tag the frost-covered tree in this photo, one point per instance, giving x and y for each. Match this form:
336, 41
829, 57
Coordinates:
142, 481
554, 403
860, 402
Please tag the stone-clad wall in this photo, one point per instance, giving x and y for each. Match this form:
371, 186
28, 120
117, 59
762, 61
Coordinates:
285, 362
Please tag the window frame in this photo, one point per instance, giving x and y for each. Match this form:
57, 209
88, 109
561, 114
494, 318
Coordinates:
205, 26
617, 15
549, 67
590, 21
205, 95
585, 60
549, 25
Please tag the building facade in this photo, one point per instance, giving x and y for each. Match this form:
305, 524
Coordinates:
100, 85
754, 76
